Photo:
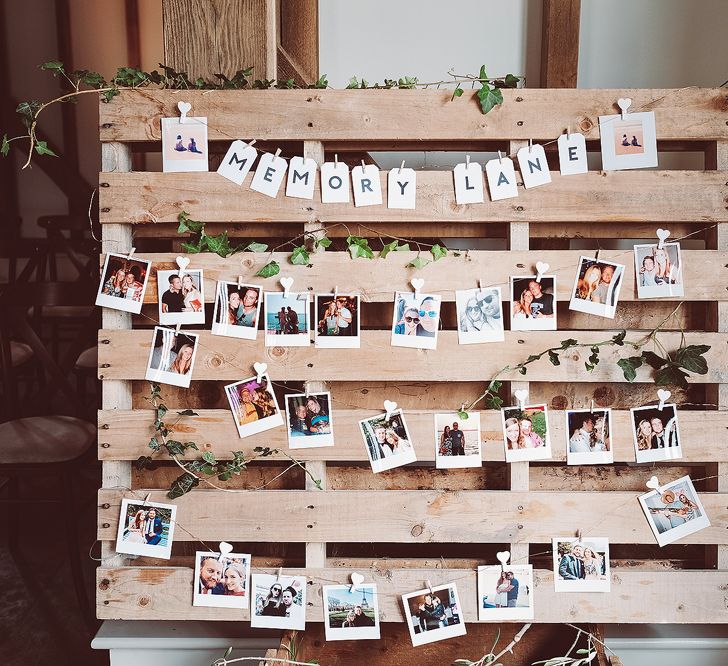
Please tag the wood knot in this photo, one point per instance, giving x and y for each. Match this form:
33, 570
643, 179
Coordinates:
104, 584
278, 352
248, 263
144, 600
585, 124
216, 361
417, 530
559, 402
604, 396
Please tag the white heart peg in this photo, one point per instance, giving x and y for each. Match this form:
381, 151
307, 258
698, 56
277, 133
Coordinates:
541, 268
356, 580
521, 396
286, 283
624, 103
389, 407
225, 549
503, 556
662, 234
182, 262
663, 396
260, 369
417, 283
653, 483
184, 109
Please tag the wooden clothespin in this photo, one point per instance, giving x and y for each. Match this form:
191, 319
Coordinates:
401, 166
429, 586
467, 161
277, 153
530, 146
131, 252
177, 329
500, 157
240, 281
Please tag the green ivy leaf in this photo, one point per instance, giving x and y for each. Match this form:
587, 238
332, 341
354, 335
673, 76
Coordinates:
511, 81
389, 247
404, 247
353, 83
53, 65
458, 92
322, 242
187, 224
359, 247
41, 147
653, 359
219, 244
182, 485
188, 412
671, 375
269, 270
418, 263
523, 370
299, 256
209, 457
256, 247
691, 359
569, 342
438, 252
489, 97
5, 149
462, 414
629, 367
142, 462
108, 95
554, 358
154, 444
192, 248
618, 339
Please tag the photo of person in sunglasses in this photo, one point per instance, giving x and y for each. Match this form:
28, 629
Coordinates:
416, 320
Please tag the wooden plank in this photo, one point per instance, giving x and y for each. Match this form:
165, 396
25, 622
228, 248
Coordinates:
403, 516
371, 115
660, 596
697, 197
127, 432
560, 43
299, 37
124, 355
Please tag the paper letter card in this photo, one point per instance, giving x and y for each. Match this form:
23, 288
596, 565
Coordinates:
334, 182
468, 183
237, 162
367, 185
301, 178
533, 165
401, 188
572, 154
184, 145
269, 175
501, 176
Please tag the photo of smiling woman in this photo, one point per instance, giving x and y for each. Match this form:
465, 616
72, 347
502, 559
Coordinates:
237, 309
221, 580
416, 320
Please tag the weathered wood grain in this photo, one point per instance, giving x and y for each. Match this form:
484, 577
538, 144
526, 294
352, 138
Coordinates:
662, 596
322, 115
698, 197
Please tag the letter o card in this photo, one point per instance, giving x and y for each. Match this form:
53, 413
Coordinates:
572, 154
533, 165
301, 178
335, 182
501, 176
269, 175
401, 188
237, 161
468, 183
367, 185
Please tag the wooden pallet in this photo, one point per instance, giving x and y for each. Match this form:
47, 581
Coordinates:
417, 523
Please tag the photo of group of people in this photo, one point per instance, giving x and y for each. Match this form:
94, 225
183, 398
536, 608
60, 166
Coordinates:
387, 441
254, 405
237, 309
123, 283
628, 141
221, 581
286, 319
171, 357
457, 440
278, 602
146, 528
596, 287
659, 270
533, 303
656, 433
674, 511
351, 612
433, 614
181, 297
416, 320
480, 315
581, 566
525, 433
505, 592
310, 421
184, 144
589, 432
337, 321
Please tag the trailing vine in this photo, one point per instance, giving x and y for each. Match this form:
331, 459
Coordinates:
205, 467
83, 82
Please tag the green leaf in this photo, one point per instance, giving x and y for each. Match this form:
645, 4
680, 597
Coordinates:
389, 247
402, 248
618, 339
209, 457
671, 375
463, 414
511, 81
418, 263
187, 224
322, 242
482, 75
583, 651
154, 444
188, 412
353, 83
191, 248
182, 484
359, 247
629, 367
554, 358
269, 270
219, 244
41, 147
108, 95
56, 65
142, 462
438, 252
653, 359
691, 359
256, 247
5, 149
569, 342
299, 256
489, 97
457, 92
523, 370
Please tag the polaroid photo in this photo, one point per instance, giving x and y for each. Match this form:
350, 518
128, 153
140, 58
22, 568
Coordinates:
287, 322
596, 287
351, 613
434, 614
123, 283
172, 357
146, 528
533, 303
184, 145
581, 565
480, 315
254, 405
457, 441
237, 310
674, 512
505, 593
656, 433
526, 433
658, 271
310, 420
388, 441
589, 435
278, 603
416, 320
181, 298
629, 142
337, 321
221, 581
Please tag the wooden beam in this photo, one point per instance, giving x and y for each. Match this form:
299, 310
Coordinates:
560, 43
298, 40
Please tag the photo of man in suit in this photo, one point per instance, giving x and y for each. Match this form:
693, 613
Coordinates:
210, 574
571, 566
153, 528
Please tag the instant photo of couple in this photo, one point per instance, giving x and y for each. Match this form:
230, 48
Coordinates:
596, 287
184, 144
416, 320
525, 433
659, 270
146, 529
172, 357
287, 319
351, 612
505, 592
581, 566
123, 283
589, 433
237, 309
310, 421
388, 441
254, 405
533, 303
655, 432
221, 580
337, 317
433, 614
181, 297
278, 602
457, 440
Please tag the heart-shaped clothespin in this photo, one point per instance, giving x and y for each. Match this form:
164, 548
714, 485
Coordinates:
541, 268
663, 397
417, 284
182, 262
260, 369
662, 234
389, 407
131, 252
279, 574
286, 283
429, 586
184, 109
225, 549
521, 396
653, 483
624, 103
356, 579
503, 556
